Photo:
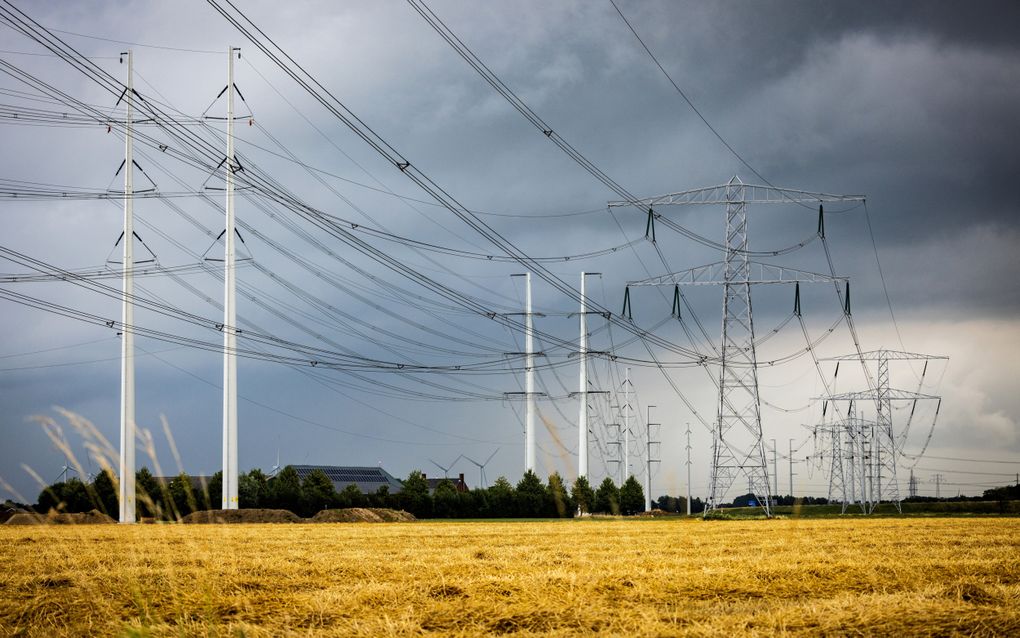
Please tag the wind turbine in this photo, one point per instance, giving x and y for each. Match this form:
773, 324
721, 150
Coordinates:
481, 467
446, 470
276, 468
91, 475
63, 472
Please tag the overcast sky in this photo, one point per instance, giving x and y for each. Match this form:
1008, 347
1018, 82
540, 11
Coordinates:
913, 105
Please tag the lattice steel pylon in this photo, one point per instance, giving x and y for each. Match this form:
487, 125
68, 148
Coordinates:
738, 448
837, 476
884, 455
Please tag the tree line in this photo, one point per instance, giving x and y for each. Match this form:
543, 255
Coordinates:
529, 498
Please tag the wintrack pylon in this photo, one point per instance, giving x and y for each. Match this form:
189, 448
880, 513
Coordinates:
737, 444
883, 456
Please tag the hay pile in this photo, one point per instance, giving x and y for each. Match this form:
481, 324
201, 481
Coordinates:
362, 515
242, 516
7, 513
656, 513
94, 517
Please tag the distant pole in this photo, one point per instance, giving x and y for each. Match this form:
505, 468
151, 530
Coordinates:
648, 457
127, 337
865, 463
626, 425
529, 379
937, 479
688, 469
775, 466
229, 313
791, 468
582, 414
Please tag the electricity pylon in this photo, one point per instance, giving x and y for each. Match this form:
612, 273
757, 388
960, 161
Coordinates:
837, 476
648, 457
884, 453
529, 393
737, 444
126, 488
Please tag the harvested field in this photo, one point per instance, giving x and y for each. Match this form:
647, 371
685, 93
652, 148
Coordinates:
652, 576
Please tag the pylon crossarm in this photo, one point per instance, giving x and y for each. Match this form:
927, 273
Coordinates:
889, 355
871, 395
757, 273
752, 194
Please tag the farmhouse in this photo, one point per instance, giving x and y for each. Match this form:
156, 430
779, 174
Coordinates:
458, 483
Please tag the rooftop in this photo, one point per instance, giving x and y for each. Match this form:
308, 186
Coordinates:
368, 479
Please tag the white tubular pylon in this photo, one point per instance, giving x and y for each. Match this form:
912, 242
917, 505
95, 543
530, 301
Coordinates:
230, 312
127, 337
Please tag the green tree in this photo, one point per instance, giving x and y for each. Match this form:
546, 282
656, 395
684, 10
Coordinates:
75, 496
469, 503
444, 500
252, 489
632, 496
607, 497
182, 495
583, 495
501, 498
531, 496
149, 496
380, 498
212, 493
286, 490
668, 503
559, 502
71, 496
414, 497
317, 493
51, 498
105, 491
351, 496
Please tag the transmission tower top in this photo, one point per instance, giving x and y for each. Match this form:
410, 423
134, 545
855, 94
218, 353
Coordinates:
749, 194
885, 355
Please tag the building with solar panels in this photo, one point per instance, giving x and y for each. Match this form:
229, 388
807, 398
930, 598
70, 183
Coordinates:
368, 479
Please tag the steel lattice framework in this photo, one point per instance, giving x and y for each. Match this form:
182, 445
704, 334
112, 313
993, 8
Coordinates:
878, 454
737, 444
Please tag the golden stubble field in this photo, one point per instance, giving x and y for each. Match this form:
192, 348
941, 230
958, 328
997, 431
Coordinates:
617, 577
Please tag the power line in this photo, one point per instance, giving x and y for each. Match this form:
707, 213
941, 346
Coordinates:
689, 102
953, 458
136, 44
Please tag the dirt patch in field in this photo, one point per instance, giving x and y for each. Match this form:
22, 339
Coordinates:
656, 513
95, 517
242, 516
362, 515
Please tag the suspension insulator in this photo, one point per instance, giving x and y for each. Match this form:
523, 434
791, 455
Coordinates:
626, 304
650, 226
676, 301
